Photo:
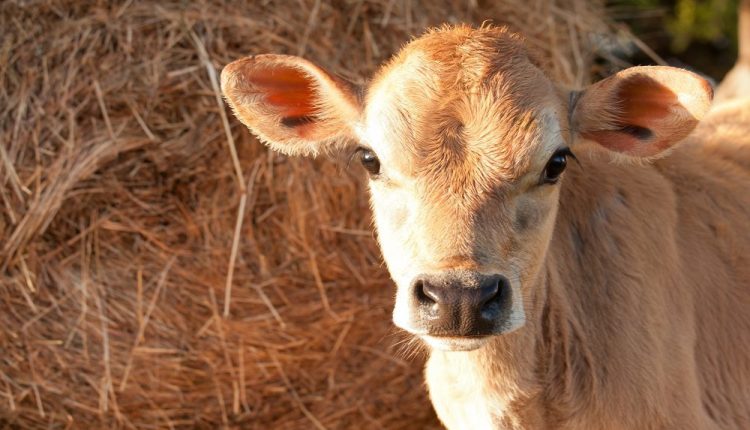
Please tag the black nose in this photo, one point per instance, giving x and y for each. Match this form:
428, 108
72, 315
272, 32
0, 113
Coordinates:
460, 304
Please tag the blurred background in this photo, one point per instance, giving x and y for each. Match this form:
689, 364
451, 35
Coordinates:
701, 35
159, 268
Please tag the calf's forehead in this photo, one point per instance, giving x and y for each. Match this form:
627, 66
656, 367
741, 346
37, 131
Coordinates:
467, 103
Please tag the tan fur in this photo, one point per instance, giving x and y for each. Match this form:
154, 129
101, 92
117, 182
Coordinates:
629, 280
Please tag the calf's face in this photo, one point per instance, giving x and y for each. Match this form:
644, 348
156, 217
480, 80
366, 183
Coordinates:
470, 148
465, 141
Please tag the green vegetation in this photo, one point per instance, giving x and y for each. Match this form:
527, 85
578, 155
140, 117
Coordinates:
690, 21
707, 21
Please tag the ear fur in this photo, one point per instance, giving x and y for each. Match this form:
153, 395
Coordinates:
290, 103
642, 111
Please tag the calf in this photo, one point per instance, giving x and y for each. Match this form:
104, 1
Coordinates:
555, 291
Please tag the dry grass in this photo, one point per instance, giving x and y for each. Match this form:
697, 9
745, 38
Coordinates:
160, 268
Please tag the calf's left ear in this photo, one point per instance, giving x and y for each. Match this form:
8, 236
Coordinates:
641, 111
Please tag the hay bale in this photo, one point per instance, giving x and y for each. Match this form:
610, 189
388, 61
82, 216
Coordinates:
125, 216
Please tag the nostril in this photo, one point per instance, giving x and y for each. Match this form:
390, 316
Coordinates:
424, 294
492, 293
489, 293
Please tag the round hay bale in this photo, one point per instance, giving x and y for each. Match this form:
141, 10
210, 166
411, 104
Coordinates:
161, 268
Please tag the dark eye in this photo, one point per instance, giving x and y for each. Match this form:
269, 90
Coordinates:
370, 161
556, 165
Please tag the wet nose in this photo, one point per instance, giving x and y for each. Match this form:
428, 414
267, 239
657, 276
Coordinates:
460, 305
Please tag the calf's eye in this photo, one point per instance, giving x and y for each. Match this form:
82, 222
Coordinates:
370, 161
556, 165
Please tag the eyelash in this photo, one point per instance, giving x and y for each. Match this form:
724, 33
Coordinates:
353, 153
567, 152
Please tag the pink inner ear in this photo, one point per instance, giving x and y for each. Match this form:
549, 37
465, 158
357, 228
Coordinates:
287, 89
644, 101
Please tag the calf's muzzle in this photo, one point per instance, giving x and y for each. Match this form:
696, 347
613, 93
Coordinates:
460, 304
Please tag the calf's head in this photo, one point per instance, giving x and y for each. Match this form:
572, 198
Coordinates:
465, 141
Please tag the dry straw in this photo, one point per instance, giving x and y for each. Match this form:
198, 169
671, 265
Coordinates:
158, 267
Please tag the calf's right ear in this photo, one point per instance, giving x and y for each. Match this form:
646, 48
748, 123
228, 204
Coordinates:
293, 105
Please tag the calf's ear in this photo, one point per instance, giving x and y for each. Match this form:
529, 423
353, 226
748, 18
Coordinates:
641, 111
293, 105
